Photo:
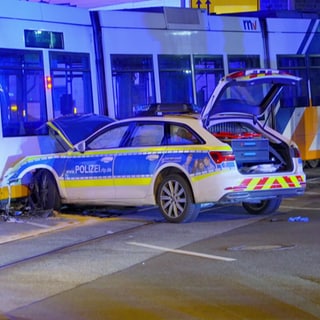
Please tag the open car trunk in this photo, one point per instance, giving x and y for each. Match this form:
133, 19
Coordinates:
238, 111
255, 151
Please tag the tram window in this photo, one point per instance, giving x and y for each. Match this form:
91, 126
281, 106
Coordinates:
295, 65
71, 83
175, 78
208, 71
314, 63
22, 93
132, 82
291, 61
241, 62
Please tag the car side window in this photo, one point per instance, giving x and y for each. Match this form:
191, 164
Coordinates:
181, 135
108, 139
147, 135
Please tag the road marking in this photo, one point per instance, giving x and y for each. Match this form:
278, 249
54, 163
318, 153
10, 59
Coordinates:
298, 208
45, 226
312, 193
313, 180
188, 253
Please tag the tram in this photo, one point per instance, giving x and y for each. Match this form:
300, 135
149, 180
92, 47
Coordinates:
179, 54
57, 60
47, 68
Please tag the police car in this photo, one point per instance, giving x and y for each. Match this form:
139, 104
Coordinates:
175, 159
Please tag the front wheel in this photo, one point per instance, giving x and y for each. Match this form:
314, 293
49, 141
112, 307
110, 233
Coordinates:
43, 192
175, 200
263, 206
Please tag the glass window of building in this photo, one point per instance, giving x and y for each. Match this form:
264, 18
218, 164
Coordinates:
175, 79
208, 71
22, 93
71, 83
132, 82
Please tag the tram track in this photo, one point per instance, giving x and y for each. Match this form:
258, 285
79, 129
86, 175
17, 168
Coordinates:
77, 244
111, 229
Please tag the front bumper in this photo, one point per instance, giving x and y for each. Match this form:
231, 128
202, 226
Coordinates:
12, 193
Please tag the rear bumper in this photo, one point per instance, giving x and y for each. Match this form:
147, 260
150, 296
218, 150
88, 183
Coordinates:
254, 196
231, 187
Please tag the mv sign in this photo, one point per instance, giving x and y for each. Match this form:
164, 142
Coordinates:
250, 25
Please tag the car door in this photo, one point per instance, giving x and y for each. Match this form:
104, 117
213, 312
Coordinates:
89, 174
134, 167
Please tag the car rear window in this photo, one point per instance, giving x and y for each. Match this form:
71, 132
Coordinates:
147, 134
181, 135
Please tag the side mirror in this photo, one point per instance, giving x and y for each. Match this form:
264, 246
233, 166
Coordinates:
81, 147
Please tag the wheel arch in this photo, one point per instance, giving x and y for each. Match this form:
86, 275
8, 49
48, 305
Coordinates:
167, 171
26, 176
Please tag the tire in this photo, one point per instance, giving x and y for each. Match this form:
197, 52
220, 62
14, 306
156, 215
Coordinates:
175, 200
43, 192
313, 163
262, 207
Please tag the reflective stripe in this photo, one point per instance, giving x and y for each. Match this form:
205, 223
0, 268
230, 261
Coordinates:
266, 183
127, 181
151, 150
77, 183
145, 181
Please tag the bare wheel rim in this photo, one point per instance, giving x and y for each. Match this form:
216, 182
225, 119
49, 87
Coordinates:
173, 199
44, 191
40, 191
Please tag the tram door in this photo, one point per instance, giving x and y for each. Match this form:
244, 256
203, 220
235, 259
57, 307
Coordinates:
71, 83
23, 106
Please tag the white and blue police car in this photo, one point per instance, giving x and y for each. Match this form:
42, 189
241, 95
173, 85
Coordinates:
171, 156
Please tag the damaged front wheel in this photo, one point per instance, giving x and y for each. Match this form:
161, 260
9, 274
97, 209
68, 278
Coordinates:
43, 192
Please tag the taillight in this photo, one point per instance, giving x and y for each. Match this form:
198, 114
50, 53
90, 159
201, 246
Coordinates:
296, 152
221, 156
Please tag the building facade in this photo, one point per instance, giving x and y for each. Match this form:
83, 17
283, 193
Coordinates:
299, 5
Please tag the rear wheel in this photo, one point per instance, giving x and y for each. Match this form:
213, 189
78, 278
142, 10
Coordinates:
175, 200
313, 163
43, 192
263, 206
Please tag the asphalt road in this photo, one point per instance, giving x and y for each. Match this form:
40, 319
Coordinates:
226, 265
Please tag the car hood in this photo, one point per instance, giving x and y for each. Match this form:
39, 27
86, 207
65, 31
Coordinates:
250, 92
77, 127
